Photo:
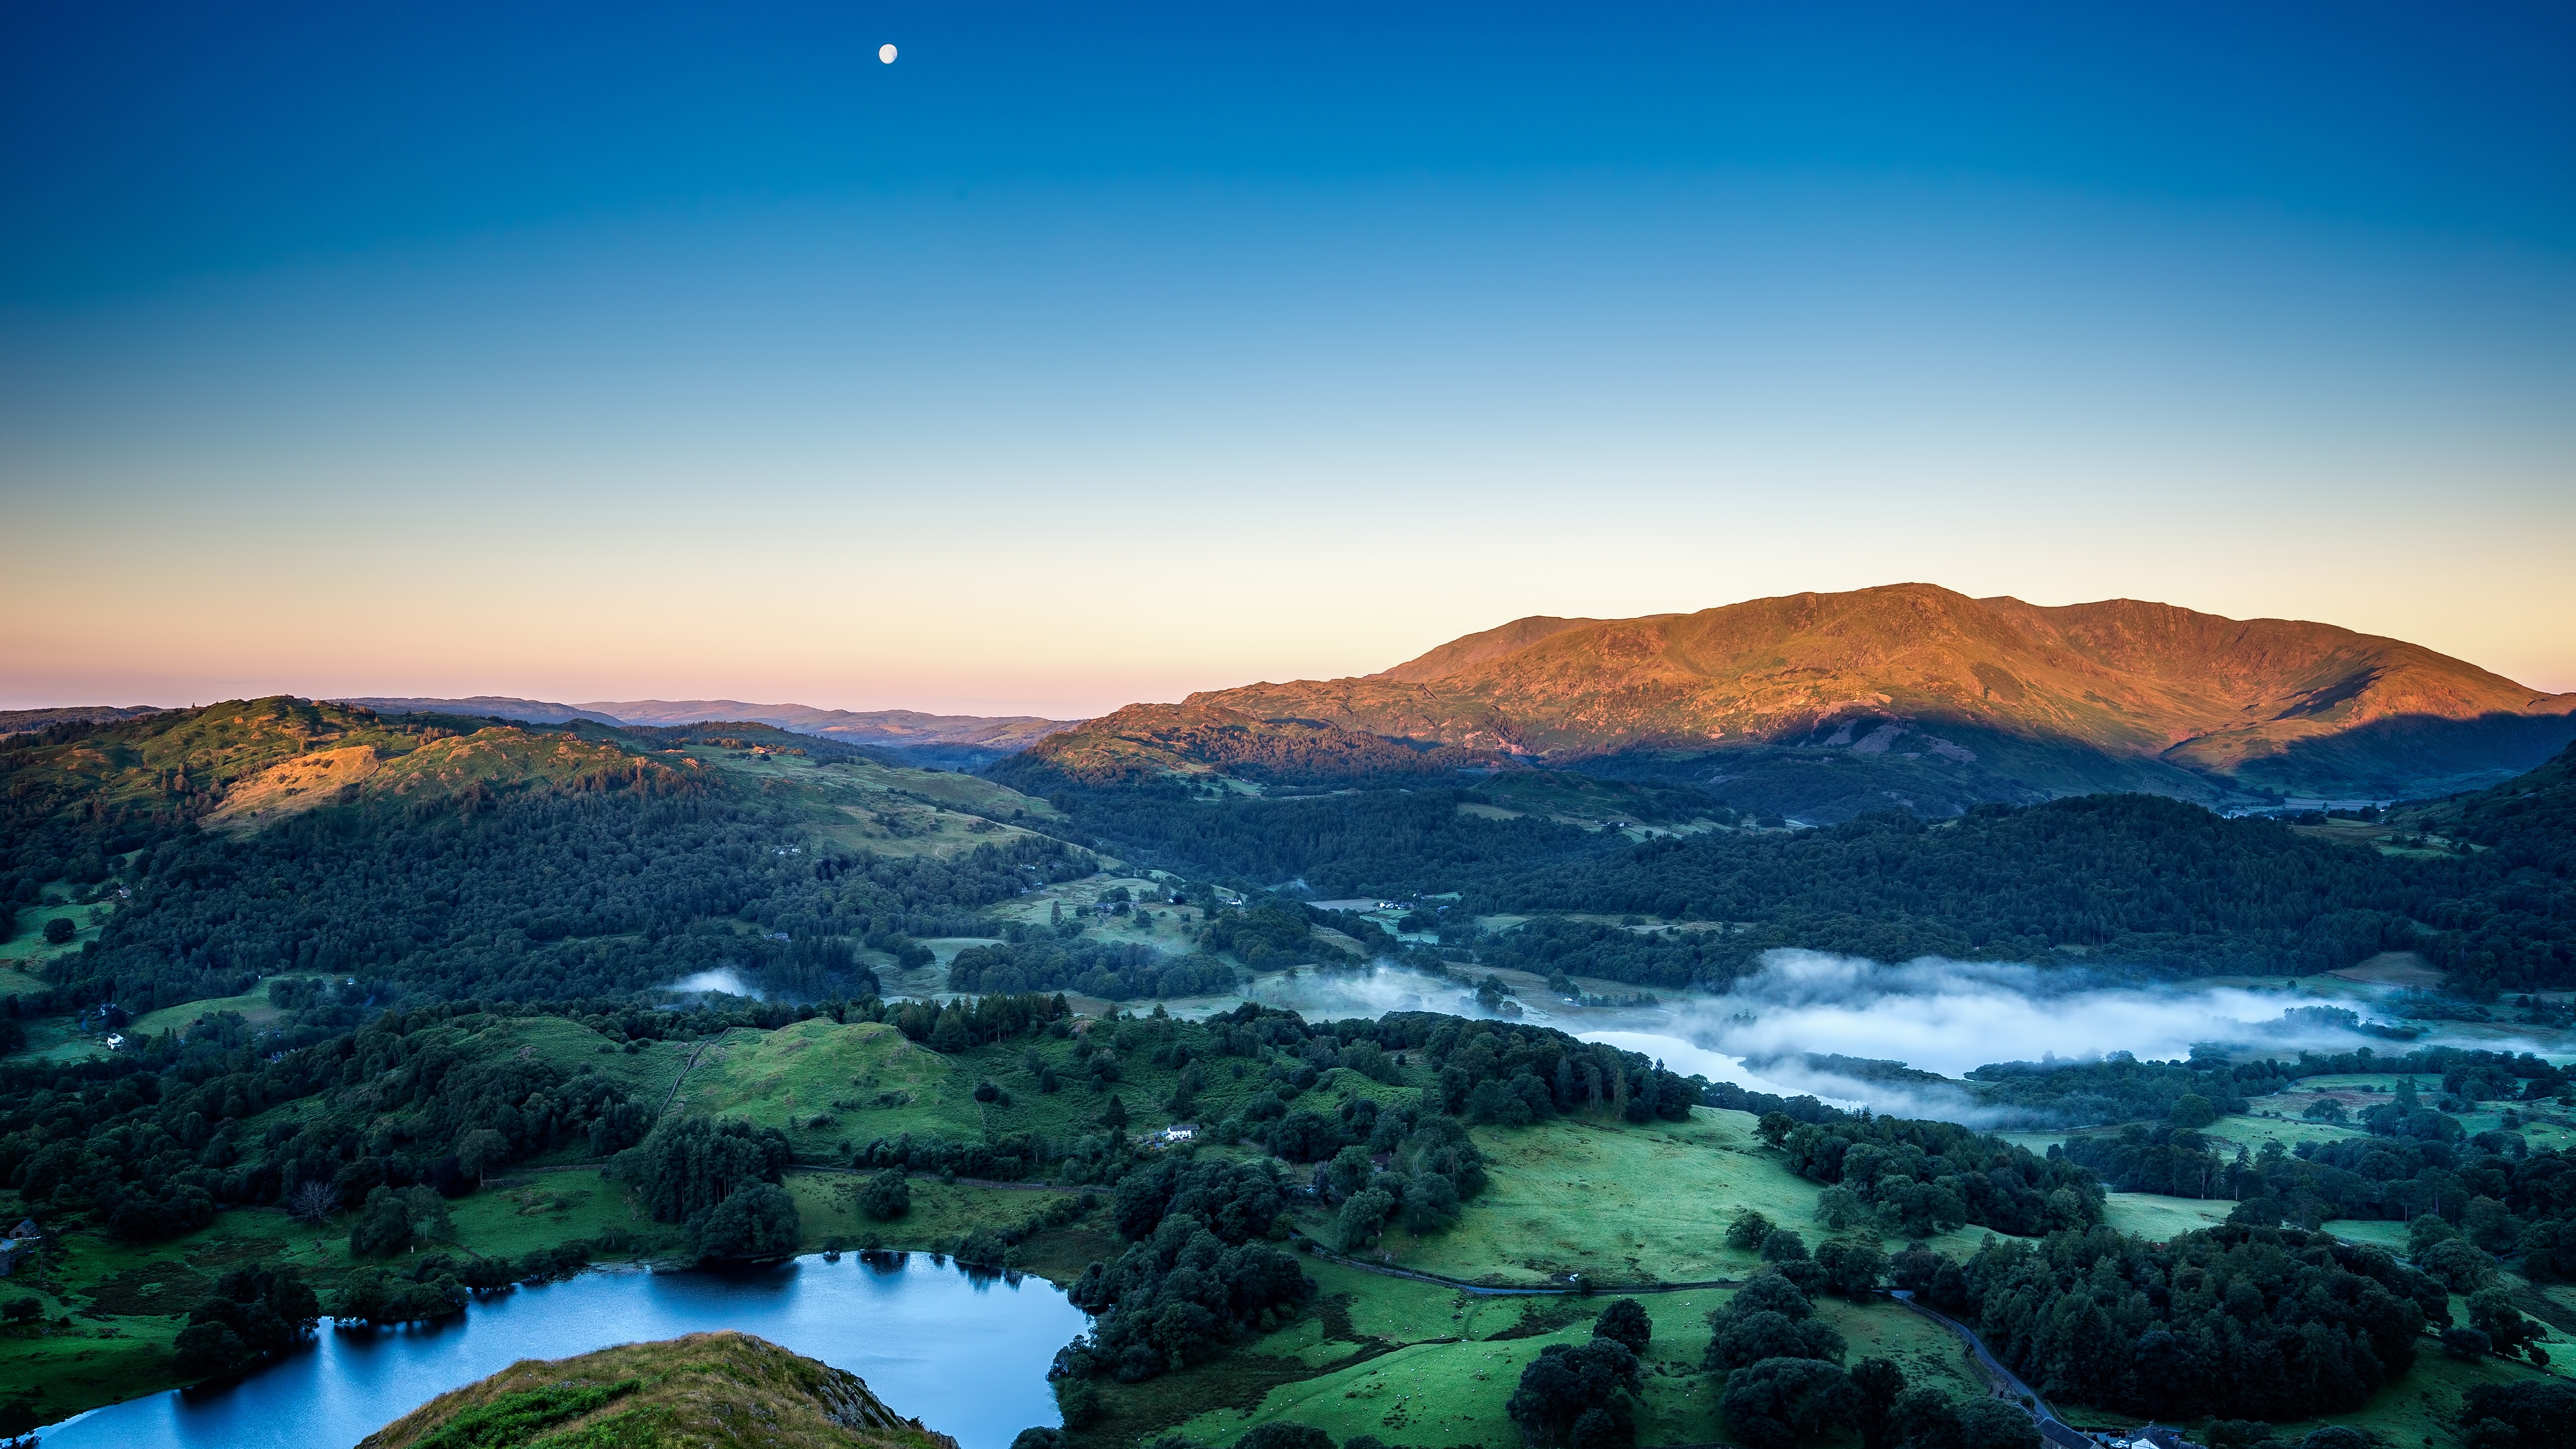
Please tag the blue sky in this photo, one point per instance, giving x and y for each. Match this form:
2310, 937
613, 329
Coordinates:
1087, 354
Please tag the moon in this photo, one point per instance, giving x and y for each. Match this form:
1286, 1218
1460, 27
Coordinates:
886, 53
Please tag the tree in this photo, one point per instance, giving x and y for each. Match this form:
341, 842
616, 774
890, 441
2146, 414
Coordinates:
1924, 1418
757, 1221
252, 1311
1114, 1116
312, 1201
1625, 1320
1750, 1227
1567, 1385
391, 1221
1769, 1317
1430, 1203
1840, 1209
2458, 1264
687, 1165
2492, 1313
1278, 1435
1782, 1402
60, 929
1780, 1245
1852, 1269
1041, 1437
1876, 1385
481, 1150
2193, 1111
1994, 1424
1363, 1218
887, 1196
2520, 1415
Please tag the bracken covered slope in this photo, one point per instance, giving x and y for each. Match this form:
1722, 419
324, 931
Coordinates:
705, 1391
2154, 688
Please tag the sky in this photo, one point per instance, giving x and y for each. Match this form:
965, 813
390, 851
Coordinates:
1087, 354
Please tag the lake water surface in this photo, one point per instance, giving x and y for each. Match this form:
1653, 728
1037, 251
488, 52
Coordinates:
967, 1354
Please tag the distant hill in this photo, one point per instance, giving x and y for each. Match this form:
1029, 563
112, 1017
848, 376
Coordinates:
947, 739
28, 721
707, 1389
1146, 741
1918, 695
485, 706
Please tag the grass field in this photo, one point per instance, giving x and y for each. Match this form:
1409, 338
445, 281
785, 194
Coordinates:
2157, 1218
1448, 1362
1615, 1202
825, 1084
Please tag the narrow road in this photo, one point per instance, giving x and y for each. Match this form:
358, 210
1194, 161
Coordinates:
2051, 1428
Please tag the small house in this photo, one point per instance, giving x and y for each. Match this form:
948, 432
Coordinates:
1180, 1132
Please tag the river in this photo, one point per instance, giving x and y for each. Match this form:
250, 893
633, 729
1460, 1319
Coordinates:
965, 1353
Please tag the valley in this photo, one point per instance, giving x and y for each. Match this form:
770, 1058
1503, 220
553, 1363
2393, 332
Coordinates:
635, 974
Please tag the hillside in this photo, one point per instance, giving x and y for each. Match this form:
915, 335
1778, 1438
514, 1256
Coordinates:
1153, 741
192, 851
723, 1389
1933, 694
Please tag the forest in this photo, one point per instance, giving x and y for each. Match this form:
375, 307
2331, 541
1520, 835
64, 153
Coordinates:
2240, 1321
2139, 879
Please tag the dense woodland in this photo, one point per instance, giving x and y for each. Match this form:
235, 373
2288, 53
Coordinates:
2137, 879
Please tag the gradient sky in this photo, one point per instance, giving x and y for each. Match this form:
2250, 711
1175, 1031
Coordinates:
1098, 353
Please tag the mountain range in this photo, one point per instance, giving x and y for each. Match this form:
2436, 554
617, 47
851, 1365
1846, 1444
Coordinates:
1814, 705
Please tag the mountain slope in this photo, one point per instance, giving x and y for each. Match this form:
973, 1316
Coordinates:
2116, 694
707, 1389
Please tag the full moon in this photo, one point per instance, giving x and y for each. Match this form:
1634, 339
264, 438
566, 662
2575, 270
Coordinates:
886, 53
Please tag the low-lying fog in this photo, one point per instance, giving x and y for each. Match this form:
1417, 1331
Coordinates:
1934, 1015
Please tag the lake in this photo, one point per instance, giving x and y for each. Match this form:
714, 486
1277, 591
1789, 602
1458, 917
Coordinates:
966, 1353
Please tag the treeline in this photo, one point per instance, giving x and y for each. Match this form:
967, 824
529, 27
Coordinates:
1926, 1178
1110, 970
2237, 1322
1670, 957
2119, 1088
